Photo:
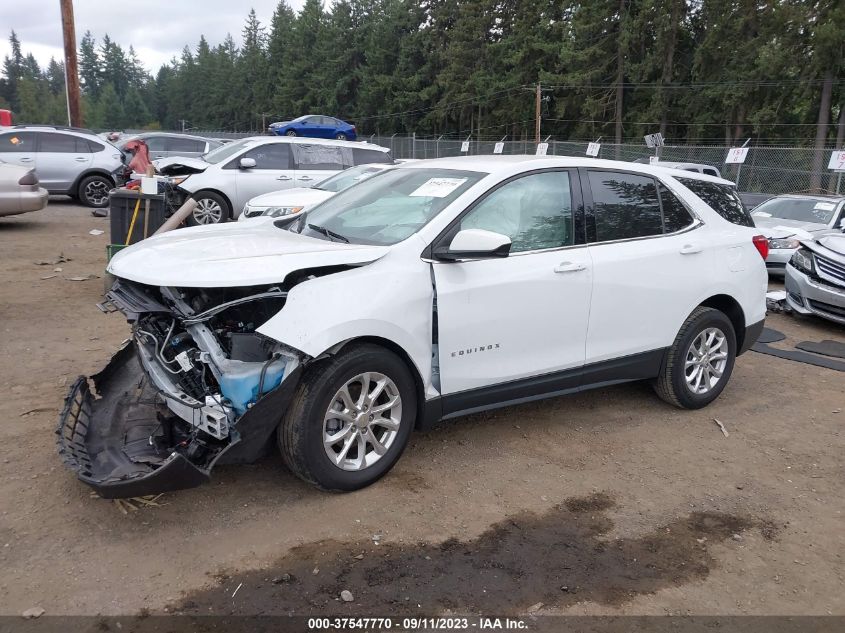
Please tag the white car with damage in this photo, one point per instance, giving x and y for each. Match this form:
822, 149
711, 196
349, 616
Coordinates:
429, 291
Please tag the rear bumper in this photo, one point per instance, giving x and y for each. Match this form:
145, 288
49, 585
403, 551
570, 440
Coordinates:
34, 200
127, 443
752, 333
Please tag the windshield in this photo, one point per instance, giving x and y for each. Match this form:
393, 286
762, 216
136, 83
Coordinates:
347, 178
816, 210
388, 207
226, 151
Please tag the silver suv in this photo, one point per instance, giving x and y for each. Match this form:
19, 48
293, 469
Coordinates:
68, 161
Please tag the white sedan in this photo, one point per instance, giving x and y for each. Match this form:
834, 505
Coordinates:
290, 201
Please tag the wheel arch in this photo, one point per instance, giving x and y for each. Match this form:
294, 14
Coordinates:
93, 171
731, 308
219, 193
419, 384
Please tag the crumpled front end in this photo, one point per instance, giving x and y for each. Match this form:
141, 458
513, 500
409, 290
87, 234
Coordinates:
196, 387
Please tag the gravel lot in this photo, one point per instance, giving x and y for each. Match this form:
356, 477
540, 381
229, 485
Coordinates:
607, 502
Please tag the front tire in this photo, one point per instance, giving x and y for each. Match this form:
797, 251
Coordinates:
212, 208
700, 361
291, 133
93, 191
350, 419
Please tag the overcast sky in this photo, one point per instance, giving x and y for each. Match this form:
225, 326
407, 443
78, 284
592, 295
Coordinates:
158, 29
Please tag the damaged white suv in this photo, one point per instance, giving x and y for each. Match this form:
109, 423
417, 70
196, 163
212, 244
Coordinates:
429, 291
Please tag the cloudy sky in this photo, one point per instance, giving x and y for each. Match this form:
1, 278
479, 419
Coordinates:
158, 29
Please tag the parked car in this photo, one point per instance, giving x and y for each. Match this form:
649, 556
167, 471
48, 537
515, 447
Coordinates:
815, 278
19, 190
315, 126
290, 201
68, 161
430, 291
224, 180
701, 168
165, 145
788, 219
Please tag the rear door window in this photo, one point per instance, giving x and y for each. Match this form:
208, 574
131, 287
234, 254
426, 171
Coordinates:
62, 144
185, 145
626, 206
364, 156
321, 157
723, 199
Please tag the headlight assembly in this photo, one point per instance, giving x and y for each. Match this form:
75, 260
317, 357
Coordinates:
785, 243
802, 260
273, 212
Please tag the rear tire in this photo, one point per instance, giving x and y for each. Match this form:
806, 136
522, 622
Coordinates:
93, 191
700, 362
212, 208
370, 432
340, 136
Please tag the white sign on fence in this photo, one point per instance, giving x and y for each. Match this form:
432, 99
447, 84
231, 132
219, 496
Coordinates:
653, 140
542, 149
593, 149
653, 160
498, 148
465, 147
837, 161
736, 156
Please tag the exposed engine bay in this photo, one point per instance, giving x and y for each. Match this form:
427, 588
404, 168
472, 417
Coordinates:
195, 386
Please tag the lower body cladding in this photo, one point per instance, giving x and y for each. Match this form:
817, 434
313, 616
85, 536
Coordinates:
184, 396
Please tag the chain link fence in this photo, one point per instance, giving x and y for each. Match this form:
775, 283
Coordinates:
767, 169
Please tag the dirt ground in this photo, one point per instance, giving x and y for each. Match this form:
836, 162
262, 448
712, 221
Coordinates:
608, 502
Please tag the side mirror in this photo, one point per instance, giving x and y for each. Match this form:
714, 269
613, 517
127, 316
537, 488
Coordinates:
842, 224
475, 244
246, 163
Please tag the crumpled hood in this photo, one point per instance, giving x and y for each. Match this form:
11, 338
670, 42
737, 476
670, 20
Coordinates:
836, 243
779, 228
180, 164
232, 254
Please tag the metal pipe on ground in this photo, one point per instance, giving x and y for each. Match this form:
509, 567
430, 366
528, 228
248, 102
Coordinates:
175, 220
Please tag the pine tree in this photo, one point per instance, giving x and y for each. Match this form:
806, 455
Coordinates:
90, 72
109, 110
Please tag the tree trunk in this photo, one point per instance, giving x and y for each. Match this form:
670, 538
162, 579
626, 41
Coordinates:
620, 76
740, 122
821, 131
669, 60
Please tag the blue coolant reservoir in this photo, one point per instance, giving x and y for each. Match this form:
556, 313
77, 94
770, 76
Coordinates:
240, 385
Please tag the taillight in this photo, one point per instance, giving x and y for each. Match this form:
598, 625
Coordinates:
761, 243
28, 179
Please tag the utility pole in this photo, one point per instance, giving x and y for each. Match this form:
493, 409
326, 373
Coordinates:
537, 111
74, 112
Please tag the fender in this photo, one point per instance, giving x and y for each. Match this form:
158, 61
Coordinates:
390, 298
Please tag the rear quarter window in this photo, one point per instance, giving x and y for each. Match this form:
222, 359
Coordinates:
365, 156
723, 199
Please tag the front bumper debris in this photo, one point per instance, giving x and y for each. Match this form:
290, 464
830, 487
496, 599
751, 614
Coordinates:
124, 441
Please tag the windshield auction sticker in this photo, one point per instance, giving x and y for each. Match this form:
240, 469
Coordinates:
438, 187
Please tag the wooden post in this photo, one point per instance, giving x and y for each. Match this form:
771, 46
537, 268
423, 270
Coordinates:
537, 111
74, 111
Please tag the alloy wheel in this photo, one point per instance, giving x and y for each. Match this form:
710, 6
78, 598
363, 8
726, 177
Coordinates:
97, 192
207, 211
362, 421
706, 360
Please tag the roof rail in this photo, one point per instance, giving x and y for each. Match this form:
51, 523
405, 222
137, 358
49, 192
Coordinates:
65, 128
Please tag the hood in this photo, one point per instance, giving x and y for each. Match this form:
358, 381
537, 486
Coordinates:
180, 165
779, 228
836, 243
231, 255
296, 197
279, 123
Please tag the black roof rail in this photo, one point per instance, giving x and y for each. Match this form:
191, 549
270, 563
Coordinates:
65, 128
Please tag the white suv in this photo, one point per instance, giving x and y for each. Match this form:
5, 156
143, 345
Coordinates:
225, 179
430, 291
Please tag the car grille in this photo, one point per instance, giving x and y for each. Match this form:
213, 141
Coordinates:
830, 268
827, 307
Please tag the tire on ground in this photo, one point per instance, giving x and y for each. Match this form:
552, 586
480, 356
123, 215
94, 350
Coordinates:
671, 385
300, 434
210, 198
93, 191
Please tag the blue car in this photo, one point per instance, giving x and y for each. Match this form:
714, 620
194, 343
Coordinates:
315, 126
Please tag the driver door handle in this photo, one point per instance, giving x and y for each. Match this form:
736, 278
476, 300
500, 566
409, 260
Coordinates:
569, 267
283, 178
690, 249
305, 178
